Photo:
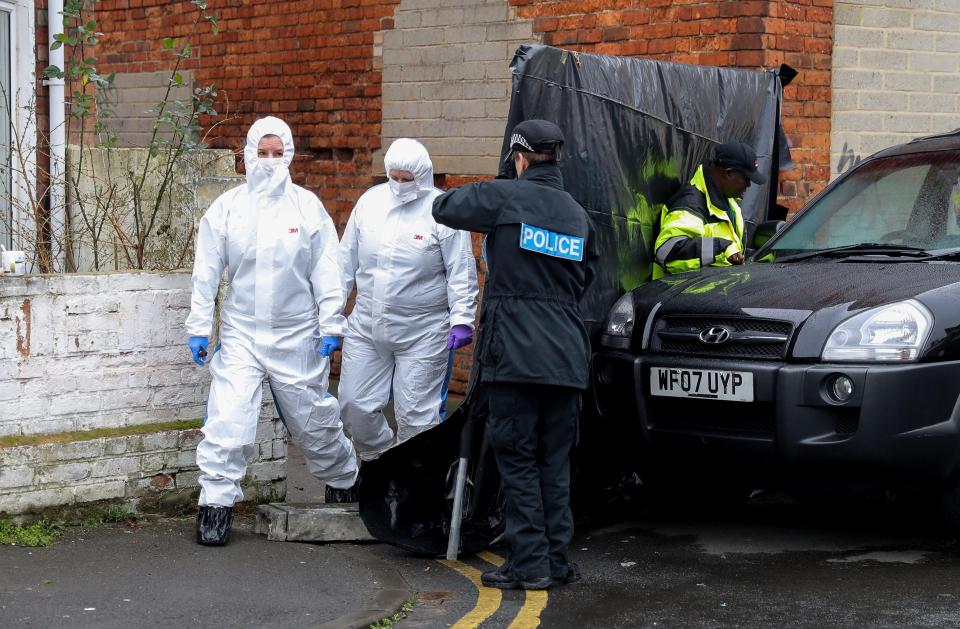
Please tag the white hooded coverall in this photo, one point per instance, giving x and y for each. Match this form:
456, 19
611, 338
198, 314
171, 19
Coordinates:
279, 247
415, 279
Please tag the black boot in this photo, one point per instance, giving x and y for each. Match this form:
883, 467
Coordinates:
570, 575
213, 525
504, 578
335, 495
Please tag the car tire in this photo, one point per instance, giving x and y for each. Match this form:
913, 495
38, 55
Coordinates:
950, 507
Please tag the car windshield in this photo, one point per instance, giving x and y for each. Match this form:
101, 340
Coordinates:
891, 206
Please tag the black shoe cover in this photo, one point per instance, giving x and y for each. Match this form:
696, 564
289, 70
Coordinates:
335, 495
213, 525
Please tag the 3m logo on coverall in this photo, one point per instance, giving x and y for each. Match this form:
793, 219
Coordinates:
550, 243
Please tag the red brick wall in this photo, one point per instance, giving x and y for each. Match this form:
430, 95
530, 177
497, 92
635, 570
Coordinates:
309, 62
755, 34
313, 65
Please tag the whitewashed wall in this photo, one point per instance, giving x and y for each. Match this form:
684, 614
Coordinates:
95, 351
108, 350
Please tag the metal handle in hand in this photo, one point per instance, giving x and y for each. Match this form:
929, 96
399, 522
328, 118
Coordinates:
453, 541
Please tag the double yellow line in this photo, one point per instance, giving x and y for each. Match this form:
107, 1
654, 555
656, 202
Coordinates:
489, 599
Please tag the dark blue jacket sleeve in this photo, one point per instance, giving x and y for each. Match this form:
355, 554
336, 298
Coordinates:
474, 207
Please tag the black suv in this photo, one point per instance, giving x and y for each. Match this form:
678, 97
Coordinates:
833, 353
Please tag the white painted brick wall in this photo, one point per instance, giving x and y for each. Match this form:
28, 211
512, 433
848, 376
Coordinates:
446, 80
96, 351
134, 468
896, 74
107, 350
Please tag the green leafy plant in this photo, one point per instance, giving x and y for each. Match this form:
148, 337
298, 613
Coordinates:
111, 514
124, 214
44, 532
41, 533
390, 621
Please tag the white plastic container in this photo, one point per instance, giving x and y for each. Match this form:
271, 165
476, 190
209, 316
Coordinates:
13, 262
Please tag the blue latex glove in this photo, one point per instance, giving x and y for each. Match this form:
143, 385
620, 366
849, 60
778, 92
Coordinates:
198, 345
460, 335
329, 344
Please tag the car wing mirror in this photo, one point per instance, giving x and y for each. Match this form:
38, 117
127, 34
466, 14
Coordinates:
765, 231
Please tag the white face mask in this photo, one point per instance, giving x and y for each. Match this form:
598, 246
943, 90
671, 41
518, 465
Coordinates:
405, 191
268, 176
270, 164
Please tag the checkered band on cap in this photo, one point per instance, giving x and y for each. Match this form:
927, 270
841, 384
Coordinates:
516, 138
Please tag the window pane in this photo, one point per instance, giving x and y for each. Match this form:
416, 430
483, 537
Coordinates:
6, 95
909, 200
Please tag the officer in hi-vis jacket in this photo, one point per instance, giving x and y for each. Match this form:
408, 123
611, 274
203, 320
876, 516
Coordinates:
533, 351
702, 224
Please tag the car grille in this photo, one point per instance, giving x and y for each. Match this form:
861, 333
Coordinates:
848, 421
748, 337
755, 419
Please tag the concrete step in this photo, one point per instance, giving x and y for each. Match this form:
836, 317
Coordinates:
301, 522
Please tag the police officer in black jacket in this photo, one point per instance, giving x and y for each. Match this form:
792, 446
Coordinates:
533, 351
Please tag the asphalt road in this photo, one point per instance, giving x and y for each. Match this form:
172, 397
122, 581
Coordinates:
772, 562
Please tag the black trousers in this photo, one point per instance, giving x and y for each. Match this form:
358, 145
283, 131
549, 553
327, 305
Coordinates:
532, 430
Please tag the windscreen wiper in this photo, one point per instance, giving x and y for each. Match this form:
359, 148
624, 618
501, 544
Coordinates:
953, 253
860, 248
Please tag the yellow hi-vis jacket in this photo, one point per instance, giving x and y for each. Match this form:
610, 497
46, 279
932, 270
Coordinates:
694, 232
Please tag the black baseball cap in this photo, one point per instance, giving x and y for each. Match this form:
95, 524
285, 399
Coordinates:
535, 136
740, 156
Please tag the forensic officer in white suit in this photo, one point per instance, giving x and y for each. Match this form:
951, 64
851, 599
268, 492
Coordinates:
279, 247
417, 290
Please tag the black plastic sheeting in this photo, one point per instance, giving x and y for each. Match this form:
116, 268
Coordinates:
635, 130
406, 496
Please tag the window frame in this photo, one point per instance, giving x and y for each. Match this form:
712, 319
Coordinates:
24, 108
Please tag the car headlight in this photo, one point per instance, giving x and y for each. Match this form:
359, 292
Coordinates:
894, 332
620, 321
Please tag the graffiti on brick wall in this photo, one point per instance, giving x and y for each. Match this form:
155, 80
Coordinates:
848, 159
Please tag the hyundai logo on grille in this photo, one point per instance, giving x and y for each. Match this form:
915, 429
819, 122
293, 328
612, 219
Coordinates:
716, 335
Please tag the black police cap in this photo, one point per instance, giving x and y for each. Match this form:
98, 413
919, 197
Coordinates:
535, 136
740, 156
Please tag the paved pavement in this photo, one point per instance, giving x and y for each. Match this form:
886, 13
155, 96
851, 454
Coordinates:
155, 575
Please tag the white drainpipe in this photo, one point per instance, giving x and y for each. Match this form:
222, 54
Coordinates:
58, 139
